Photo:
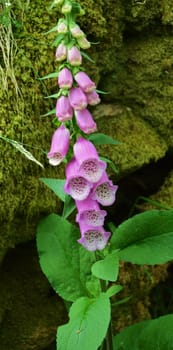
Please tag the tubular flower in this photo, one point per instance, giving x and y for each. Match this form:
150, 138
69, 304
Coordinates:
65, 79
85, 83
76, 31
76, 185
83, 43
93, 238
64, 110
77, 98
59, 145
74, 56
104, 191
93, 98
89, 212
61, 52
62, 26
90, 166
85, 121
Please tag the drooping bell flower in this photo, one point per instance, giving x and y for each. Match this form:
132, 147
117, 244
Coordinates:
77, 98
104, 191
64, 110
65, 79
93, 98
83, 43
85, 121
61, 52
76, 31
90, 213
93, 238
90, 166
85, 83
76, 185
62, 26
74, 56
59, 145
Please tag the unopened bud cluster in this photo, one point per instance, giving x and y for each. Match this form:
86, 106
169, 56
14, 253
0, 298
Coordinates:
86, 179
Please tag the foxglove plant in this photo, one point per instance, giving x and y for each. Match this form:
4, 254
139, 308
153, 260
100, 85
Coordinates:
79, 263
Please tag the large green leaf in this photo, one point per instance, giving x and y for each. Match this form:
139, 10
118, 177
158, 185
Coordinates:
148, 335
56, 185
146, 238
102, 139
107, 269
89, 321
66, 264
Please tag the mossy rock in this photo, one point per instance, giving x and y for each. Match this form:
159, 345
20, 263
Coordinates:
139, 145
30, 312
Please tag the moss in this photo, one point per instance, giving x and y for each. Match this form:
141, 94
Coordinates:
29, 311
140, 143
143, 81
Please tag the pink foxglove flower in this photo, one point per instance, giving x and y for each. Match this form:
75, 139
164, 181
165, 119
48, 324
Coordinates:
83, 43
90, 213
77, 98
59, 145
93, 98
65, 79
85, 121
93, 238
91, 167
74, 56
76, 31
76, 185
61, 52
104, 191
64, 110
85, 83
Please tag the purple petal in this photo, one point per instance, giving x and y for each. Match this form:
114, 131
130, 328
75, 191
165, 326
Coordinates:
90, 213
64, 110
77, 98
59, 145
65, 79
85, 121
93, 238
104, 191
83, 80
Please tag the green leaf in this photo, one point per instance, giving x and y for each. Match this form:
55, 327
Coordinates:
69, 206
65, 263
147, 335
102, 139
87, 57
111, 163
58, 39
56, 185
107, 269
53, 111
51, 75
89, 321
54, 29
146, 238
54, 95
114, 290
21, 149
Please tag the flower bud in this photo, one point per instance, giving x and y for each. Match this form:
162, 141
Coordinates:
93, 98
77, 98
67, 7
61, 52
74, 56
85, 83
76, 31
62, 26
64, 110
85, 121
65, 79
84, 43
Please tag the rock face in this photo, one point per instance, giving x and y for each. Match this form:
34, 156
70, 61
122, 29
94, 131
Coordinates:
134, 63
